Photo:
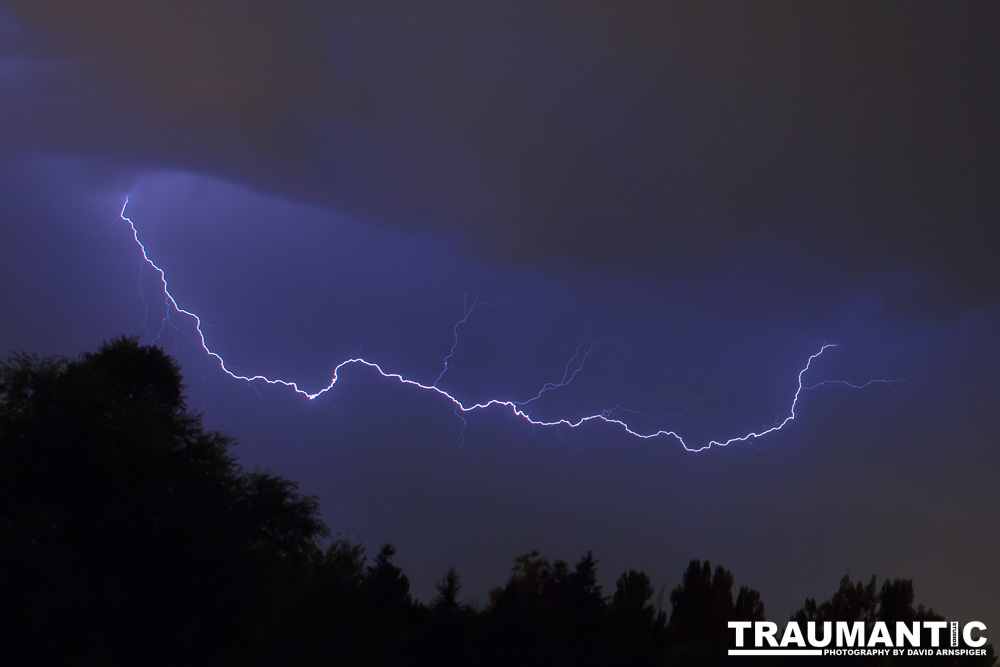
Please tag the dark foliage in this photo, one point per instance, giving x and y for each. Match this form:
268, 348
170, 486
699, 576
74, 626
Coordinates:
893, 602
127, 532
129, 535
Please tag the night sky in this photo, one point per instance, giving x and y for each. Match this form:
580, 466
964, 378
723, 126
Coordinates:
705, 192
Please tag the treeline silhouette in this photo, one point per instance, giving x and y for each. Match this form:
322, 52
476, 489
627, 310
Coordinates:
130, 536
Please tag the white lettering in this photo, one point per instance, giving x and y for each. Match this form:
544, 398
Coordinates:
827, 634
935, 627
854, 637
911, 633
765, 630
792, 635
739, 626
880, 635
967, 634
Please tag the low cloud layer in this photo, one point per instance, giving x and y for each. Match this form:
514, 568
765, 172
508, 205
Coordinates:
778, 138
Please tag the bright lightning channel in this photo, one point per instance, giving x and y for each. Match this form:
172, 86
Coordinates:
517, 408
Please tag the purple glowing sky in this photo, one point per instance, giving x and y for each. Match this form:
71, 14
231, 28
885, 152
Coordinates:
703, 194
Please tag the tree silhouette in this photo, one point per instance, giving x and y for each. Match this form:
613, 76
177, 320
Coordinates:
547, 613
703, 606
859, 602
451, 630
125, 527
445, 603
129, 535
636, 632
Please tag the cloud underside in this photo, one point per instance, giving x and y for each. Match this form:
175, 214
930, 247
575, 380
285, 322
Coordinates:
791, 138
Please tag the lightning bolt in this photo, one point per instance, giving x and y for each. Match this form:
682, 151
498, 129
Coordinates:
467, 308
516, 408
573, 367
845, 383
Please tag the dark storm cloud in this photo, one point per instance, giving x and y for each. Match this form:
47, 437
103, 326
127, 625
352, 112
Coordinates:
690, 138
